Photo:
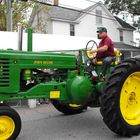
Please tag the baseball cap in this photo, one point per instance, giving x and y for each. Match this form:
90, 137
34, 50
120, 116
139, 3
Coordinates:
101, 29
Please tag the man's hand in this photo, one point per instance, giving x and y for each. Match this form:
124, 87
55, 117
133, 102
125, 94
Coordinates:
92, 51
95, 61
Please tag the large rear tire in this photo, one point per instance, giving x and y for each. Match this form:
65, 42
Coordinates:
10, 123
68, 109
120, 102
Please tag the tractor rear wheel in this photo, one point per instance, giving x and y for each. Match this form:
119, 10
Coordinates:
10, 123
120, 102
68, 109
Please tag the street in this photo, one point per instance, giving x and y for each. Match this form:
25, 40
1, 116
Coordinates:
46, 123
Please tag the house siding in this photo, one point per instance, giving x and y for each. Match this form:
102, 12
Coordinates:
128, 37
61, 28
86, 25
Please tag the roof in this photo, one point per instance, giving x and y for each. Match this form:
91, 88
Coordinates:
73, 14
124, 24
125, 47
68, 13
63, 13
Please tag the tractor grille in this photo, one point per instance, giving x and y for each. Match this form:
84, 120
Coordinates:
4, 73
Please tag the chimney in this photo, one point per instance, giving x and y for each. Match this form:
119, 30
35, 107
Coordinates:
56, 2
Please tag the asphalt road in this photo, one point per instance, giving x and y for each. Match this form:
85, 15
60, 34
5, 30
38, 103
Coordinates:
46, 123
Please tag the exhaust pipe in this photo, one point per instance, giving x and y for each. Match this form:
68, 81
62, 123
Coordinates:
30, 39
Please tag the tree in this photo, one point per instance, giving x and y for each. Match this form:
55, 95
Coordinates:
40, 21
132, 6
2, 17
20, 14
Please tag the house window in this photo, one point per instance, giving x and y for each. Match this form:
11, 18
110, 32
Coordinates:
98, 17
72, 30
121, 35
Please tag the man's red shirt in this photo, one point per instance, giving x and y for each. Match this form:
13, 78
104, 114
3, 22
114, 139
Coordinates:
110, 51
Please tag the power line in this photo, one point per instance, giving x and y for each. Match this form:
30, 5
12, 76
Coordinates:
81, 11
85, 12
73, 7
91, 1
40, 2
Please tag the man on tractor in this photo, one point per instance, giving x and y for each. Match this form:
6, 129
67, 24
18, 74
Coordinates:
105, 50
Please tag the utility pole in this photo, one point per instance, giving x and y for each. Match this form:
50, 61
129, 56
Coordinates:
9, 15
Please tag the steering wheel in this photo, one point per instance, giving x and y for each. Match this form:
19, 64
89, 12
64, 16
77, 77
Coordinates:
91, 45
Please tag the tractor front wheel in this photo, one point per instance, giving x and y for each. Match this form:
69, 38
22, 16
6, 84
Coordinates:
10, 123
68, 109
3, 104
120, 102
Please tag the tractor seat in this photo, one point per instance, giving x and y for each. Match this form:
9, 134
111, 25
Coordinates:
115, 62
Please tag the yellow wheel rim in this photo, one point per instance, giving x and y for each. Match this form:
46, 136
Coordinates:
7, 127
74, 105
130, 99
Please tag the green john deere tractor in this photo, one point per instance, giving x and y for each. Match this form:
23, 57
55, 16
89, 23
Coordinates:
67, 80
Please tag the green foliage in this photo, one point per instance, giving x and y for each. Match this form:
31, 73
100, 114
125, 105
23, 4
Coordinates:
132, 6
2, 17
19, 14
40, 21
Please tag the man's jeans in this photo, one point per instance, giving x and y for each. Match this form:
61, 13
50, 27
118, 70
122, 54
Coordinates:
106, 63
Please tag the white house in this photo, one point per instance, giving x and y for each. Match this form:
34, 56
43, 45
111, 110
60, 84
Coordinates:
73, 22
68, 21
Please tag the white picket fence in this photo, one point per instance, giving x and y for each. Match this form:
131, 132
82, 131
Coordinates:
44, 42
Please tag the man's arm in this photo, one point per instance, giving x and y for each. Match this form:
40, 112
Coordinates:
101, 49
